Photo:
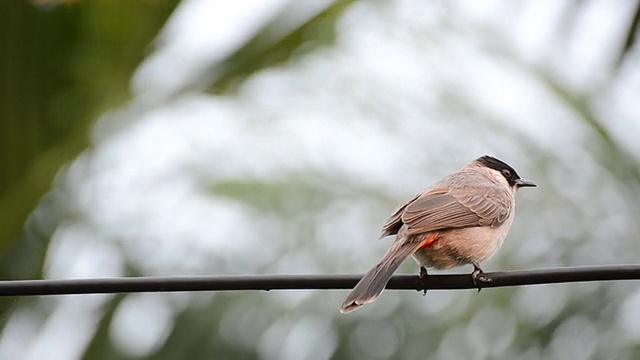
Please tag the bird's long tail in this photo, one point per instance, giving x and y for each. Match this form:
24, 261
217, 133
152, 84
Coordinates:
373, 283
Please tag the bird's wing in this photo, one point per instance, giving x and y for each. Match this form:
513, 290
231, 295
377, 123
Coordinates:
394, 222
439, 209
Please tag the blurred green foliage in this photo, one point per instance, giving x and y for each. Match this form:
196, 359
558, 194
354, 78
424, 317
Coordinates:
269, 47
61, 66
64, 65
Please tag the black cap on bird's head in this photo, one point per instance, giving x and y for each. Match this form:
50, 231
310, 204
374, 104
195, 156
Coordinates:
506, 170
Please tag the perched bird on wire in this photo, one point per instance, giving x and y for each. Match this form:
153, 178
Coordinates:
462, 219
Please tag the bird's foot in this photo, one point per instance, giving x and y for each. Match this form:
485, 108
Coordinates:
478, 276
423, 279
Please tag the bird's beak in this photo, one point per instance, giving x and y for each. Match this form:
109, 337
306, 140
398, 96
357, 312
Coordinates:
524, 183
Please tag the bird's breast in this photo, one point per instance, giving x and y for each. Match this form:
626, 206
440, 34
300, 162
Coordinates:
457, 247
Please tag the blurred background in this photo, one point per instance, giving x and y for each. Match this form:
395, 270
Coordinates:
169, 137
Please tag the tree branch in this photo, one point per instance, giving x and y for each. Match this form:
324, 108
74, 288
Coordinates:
311, 282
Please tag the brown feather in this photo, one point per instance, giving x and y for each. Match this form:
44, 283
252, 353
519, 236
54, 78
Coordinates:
394, 223
373, 282
441, 209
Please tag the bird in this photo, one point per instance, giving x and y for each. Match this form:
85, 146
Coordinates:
462, 219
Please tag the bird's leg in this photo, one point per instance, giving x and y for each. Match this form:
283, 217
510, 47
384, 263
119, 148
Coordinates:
423, 279
478, 276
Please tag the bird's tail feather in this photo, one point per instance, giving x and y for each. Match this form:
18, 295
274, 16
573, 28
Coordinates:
373, 283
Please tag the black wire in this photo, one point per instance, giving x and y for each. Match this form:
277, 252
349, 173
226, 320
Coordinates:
311, 282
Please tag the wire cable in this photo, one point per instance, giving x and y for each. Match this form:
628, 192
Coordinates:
312, 282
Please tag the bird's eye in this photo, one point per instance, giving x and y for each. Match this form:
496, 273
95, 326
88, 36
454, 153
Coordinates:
506, 173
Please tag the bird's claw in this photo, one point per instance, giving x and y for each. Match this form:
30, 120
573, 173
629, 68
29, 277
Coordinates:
479, 278
423, 280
